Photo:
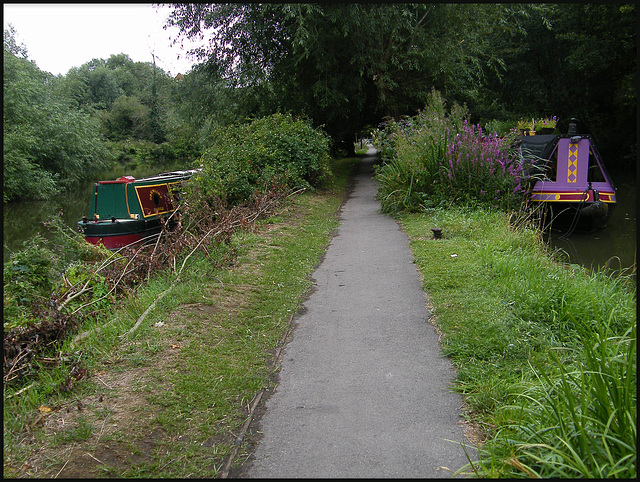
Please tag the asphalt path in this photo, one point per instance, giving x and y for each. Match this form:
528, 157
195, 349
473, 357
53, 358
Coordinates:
363, 388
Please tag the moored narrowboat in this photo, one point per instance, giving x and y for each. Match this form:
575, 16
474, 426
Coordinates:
128, 210
571, 180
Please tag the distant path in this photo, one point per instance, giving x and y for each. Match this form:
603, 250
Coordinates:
364, 390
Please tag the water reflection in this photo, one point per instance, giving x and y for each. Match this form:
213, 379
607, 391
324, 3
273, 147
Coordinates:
23, 220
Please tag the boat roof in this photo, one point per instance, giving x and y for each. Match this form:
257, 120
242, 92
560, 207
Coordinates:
164, 176
170, 174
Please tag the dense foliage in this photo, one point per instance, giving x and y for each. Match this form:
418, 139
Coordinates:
571, 60
278, 151
344, 65
347, 66
438, 158
60, 130
47, 143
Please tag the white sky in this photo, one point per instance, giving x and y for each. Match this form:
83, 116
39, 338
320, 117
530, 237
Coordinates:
61, 36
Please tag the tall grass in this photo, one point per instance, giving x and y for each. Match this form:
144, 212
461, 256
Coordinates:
437, 158
579, 420
545, 353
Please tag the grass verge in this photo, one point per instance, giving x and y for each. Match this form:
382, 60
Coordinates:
545, 353
169, 399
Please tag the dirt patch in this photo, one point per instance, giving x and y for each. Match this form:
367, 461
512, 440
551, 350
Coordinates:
111, 431
115, 407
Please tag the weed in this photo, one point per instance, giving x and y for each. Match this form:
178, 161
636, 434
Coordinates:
80, 432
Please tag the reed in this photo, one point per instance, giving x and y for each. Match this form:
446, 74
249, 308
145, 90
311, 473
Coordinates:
579, 420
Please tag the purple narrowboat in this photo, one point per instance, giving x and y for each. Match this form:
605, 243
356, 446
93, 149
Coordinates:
571, 180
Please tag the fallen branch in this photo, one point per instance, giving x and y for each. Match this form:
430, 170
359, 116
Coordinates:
20, 391
148, 310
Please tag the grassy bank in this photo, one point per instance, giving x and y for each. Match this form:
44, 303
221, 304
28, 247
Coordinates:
169, 398
545, 352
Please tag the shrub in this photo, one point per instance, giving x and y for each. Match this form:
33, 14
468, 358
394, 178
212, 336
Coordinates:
34, 274
439, 158
28, 279
275, 150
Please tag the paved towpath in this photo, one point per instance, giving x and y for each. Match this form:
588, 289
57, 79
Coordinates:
363, 390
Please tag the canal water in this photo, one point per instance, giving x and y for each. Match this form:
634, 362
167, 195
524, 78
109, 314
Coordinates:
613, 247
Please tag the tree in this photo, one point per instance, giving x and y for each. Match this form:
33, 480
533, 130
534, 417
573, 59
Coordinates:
127, 118
569, 60
47, 143
344, 65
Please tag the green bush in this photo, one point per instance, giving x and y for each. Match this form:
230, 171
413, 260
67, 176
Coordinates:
27, 278
35, 274
278, 150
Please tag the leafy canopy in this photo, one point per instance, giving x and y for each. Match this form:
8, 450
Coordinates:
344, 65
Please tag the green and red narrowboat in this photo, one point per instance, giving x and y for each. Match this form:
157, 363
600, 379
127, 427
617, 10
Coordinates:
571, 180
128, 210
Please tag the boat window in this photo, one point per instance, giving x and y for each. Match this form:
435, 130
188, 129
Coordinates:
595, 172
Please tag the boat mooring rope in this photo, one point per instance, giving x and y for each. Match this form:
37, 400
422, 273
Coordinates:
576, 216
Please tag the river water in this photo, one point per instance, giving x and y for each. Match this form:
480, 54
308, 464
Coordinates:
613, 247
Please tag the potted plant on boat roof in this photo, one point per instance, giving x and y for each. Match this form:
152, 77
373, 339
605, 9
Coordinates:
525, 126
546, 125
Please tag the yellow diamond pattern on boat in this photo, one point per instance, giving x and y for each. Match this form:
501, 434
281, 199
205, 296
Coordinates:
572, 171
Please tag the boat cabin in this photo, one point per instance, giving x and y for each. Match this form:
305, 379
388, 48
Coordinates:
128, 210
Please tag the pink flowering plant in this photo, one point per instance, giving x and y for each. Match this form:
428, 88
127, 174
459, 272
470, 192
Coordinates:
483, 169
439, 158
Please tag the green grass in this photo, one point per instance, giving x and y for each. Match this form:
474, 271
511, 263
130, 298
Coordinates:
578, 420
532, 340
169, 399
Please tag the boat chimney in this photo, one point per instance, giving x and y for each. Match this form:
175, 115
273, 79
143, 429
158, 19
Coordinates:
573, 127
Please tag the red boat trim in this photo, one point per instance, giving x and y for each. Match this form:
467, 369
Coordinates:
571, 197
114, 241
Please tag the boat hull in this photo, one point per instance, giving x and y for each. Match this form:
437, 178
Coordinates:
579, 211
120, 232
578, 217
